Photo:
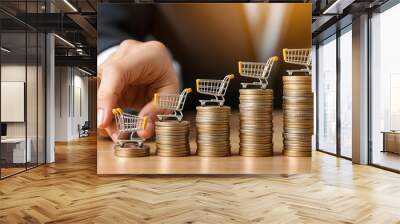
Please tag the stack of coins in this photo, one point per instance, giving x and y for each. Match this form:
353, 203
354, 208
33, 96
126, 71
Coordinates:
298, 108
212, 124
172, 138
256, 128
131, 150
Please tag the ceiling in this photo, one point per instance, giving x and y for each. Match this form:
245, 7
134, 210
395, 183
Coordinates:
73, 20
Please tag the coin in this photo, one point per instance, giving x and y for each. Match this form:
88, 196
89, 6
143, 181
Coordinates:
132, 150
256, 127
213, 131
298, 115
296, 154
172, 138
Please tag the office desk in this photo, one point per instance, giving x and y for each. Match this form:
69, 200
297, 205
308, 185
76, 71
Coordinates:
16, 153
391, 141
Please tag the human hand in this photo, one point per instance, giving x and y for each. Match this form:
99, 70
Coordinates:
129, 78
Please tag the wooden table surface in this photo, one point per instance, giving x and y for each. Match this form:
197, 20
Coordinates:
107, 163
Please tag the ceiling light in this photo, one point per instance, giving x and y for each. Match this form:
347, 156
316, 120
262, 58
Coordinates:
64, 40
84, 71
5, 50
338, 6
70, 5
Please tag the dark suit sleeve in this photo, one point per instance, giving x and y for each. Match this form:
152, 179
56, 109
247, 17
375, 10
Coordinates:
118, 22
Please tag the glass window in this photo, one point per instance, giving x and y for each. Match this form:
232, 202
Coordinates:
22, 92
15, 151
327, 96
346, 94
385, 89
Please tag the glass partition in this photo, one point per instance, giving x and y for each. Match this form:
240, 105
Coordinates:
31, 97
14, 153
346, 93
385, 89
327, 96
22, 77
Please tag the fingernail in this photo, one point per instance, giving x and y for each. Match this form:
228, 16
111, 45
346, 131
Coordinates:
100, 117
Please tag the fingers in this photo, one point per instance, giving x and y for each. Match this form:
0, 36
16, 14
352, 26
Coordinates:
150, 111
114, 133
108, 93
134, 64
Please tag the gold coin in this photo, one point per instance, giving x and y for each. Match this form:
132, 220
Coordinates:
172, 138
256, 134
300, 94
298, 99
296, 77
170, 123
132, 150
256, 91
223, 109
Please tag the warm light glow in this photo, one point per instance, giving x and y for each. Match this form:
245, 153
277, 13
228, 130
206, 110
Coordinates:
70, 5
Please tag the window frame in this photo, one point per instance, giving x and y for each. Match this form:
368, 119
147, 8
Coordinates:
334, 37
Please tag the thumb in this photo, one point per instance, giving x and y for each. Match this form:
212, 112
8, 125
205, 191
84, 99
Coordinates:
151, 112
109, 90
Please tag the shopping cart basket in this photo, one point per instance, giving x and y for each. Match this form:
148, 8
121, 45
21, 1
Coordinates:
260, 71
216, 88
172, 102
129, 123
298, 57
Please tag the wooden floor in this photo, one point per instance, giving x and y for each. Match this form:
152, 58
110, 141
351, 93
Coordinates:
70, 191
387, 159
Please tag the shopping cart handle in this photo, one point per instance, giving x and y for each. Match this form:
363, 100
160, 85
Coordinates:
275, 58
144, 124
114, 111
231, 76
120, 111
188, 90
197, 85
240, 67
284, 50
156, 99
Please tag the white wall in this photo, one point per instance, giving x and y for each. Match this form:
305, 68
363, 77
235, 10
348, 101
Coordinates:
33, 126
71, 102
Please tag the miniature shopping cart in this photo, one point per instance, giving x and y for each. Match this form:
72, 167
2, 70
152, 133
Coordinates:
260, 71
129, 123
172, 102
298, 57
216, 88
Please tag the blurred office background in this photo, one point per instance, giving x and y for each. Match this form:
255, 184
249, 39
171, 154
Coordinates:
208, 40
